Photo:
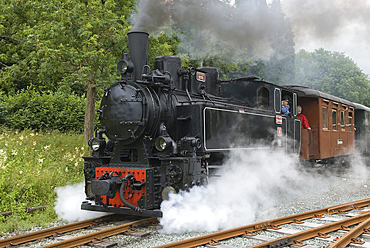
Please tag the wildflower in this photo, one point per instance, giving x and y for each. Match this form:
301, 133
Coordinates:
20, 172
46, 147
82, 148
14, 152
41, 160
34, 143
66, 169
76, 164
21, 137
32, 134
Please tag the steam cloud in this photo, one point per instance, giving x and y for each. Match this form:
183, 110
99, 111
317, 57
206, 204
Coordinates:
253, 186
68, 204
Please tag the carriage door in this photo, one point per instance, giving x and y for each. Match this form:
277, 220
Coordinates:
336, 141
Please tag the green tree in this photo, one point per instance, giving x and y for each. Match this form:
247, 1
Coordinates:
62, 44
333, 73
66, 45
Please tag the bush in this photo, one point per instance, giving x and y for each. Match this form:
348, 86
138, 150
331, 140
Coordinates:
49, 111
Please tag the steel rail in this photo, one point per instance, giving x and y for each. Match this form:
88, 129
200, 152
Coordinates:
297, 238
238, 231
80, 240
24, 238
351, 235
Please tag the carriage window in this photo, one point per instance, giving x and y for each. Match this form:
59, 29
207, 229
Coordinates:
263, 98
342, 121
324, 118
334, 119
350, 121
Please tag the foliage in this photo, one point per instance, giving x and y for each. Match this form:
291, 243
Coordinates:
53, 44
65, 45
48, 111
48, 44
32, 165
333, 73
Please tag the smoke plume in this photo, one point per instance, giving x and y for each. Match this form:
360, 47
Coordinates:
325, 19
336, 25
241, 28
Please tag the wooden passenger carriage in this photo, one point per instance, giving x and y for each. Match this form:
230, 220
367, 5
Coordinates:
332, 121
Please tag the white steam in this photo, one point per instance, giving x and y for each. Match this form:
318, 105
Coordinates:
255, 185
68, 204
247, 185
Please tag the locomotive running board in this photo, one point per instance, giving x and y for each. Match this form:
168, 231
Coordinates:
119, 210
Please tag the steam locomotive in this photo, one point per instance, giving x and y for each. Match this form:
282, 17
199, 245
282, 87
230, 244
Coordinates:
169, 129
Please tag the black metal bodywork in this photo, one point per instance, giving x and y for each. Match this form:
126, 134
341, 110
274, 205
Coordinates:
192, 115
362, 124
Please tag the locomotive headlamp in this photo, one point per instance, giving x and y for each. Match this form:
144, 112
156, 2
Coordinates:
162, 142
94, 143
125, 66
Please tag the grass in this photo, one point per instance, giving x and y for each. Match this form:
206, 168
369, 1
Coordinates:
32, 165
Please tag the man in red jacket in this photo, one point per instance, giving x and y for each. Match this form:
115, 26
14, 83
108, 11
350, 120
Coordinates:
304, 121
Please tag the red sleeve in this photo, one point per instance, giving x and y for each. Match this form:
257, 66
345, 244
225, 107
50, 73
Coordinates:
304, 122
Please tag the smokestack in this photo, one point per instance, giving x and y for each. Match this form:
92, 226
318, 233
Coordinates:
138, 47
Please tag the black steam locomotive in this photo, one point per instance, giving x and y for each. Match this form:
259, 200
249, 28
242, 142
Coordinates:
168, 128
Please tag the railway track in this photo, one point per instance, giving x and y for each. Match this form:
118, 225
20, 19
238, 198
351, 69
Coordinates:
78, 240
339, 226
335, 226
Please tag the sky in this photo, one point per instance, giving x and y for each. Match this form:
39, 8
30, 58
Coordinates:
335, 25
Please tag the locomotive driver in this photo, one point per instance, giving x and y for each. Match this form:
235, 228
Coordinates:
285, 106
